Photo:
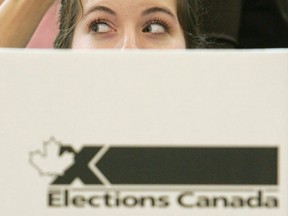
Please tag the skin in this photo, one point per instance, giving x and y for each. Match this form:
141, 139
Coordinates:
131, 24
19, 19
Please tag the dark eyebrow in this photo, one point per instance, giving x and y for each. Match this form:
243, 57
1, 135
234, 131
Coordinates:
101, 8
157, 9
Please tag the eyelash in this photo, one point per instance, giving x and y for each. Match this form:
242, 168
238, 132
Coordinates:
157, 20
160, 21
94, 22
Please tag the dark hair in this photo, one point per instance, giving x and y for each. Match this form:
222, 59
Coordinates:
187, 12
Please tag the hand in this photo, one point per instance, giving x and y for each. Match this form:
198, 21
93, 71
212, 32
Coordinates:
19, 19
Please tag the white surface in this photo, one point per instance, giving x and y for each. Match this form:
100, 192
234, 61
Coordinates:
211, 98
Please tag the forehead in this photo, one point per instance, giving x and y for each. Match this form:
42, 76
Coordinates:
131, 5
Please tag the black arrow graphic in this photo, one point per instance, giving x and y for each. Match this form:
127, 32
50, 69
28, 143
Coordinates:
125, 165
189, 166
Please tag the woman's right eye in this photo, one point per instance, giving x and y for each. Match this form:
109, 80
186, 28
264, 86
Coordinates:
101, 27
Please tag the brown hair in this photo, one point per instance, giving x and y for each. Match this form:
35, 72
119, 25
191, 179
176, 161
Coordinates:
187, 12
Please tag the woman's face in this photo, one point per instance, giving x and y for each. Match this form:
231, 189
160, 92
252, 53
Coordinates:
130, 24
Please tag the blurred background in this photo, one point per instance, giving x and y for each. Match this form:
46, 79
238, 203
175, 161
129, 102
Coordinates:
226, 23
47, 29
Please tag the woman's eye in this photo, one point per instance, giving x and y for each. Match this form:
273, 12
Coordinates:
101, 28
155, 28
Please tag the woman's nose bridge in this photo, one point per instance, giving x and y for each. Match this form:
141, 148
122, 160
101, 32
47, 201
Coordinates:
130, 39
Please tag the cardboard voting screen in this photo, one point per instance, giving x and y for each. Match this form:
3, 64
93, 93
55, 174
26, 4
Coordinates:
143, 133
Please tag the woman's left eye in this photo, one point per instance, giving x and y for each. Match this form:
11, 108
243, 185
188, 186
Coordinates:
100, 28
155, 28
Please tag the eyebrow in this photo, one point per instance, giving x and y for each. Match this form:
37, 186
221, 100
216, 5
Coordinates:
100, 8
156, 10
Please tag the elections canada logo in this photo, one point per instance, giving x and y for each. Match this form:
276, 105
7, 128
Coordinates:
188, 177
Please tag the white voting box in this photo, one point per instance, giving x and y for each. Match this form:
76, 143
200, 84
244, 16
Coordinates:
143, 133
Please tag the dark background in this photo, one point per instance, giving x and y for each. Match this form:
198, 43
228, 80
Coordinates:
245, 23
